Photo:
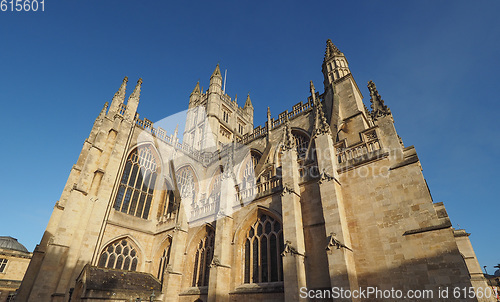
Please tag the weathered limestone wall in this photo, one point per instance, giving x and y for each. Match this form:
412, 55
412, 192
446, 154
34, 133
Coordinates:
382, 205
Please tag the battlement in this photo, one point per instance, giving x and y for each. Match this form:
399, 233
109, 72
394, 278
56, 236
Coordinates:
205, 157
296, 111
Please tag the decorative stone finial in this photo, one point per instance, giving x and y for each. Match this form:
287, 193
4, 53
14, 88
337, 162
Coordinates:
379, 109
289, 141
135, 95
320, 123
176, 131
103, 111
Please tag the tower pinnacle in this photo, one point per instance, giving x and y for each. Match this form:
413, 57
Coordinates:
379, 109
289, 139
118, 98
196, 89
248, 102
217, 72
320, 124
135, 95
133, 101
120, 94
331, 50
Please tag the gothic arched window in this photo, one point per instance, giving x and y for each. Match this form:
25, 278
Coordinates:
164, 260
263, 246
120, 254
186, 182
302, 142
255, 158
203, 257
169, 204
215, 186
135, 192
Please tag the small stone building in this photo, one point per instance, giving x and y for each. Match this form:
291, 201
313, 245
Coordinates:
14, 260
324, 195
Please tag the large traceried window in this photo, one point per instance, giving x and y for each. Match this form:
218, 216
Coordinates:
136, 189
263, 246
203, 258
120, 254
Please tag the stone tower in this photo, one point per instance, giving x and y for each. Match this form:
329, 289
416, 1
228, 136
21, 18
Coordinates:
213, 118
324, 196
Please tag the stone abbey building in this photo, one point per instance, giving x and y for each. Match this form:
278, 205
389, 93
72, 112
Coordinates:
323, 195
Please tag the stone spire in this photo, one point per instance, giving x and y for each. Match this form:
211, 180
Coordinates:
196, 89
268, 125
335, 65
136, 94
289, 140
118, 98
379, 109
331, 50
103, 111
215, 81
248, 102
320, 124
176, 131
217, 72
133, 101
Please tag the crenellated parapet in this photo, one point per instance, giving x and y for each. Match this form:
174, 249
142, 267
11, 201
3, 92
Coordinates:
297, 110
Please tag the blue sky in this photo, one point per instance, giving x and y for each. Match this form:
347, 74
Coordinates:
435, 63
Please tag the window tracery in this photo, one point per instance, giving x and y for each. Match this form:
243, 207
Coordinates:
203, 257
264, 241
164, 260
136, 189
119, 255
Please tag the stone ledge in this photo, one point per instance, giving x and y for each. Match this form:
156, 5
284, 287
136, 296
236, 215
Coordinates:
405, 162
202, 290
255, 288
428, 229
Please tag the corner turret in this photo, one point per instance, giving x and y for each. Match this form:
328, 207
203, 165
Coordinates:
335, 65
195, 96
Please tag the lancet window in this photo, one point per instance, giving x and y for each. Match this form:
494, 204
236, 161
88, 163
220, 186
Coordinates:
169, 204
164, 260
203, 257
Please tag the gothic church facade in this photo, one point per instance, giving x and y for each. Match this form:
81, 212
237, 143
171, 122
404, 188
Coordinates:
325, 195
